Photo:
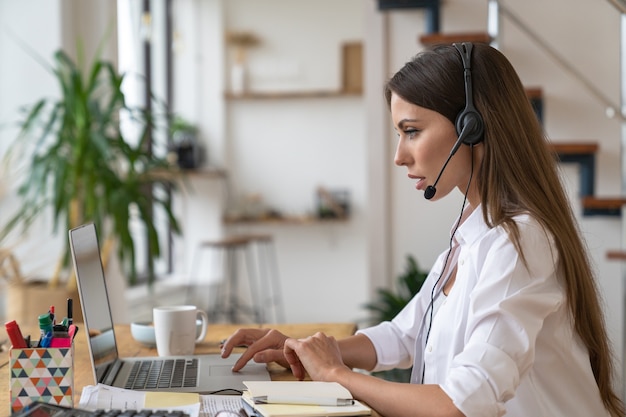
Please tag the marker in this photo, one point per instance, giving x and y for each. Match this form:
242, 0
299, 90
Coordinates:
71, 332
15, 335
45, 324
277, 399
70, 307
59, 330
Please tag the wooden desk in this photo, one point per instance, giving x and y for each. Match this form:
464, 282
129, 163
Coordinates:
128, 347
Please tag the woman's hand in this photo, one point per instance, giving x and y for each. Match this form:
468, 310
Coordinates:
264, 345
319, 355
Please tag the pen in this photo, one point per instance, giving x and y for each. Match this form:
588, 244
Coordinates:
277, 399
15, 335
46, 340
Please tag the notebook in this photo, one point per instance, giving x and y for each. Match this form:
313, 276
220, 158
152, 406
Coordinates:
197, 373
300, 398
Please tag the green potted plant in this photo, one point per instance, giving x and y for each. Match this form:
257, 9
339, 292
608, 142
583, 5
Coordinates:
81, 166
390, 303
185, 147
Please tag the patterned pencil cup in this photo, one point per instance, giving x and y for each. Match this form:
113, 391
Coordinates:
42, 374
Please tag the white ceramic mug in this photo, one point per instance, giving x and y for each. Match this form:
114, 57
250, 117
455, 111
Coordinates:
175, 329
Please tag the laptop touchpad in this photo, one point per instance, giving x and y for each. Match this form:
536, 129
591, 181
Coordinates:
222, 370
250, 369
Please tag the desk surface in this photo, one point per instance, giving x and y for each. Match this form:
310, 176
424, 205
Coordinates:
128, 347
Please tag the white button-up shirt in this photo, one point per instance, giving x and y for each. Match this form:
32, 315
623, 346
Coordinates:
503, 342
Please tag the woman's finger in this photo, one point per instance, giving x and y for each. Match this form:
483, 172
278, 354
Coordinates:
270, 339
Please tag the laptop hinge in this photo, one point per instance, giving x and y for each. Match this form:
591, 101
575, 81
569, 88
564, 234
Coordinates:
112, 373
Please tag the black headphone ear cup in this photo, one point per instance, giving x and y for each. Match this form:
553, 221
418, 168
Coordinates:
469, 123
470, 119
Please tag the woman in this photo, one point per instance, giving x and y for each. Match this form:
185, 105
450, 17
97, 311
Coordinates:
509, 320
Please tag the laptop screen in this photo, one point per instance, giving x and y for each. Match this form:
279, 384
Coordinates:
93, 296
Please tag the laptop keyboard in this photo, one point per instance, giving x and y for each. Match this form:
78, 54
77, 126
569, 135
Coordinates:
41, 409
163, 373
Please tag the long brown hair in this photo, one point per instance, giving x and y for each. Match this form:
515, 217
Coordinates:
518, 174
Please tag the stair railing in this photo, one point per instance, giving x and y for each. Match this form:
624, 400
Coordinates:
619, 4
497, 8
623, 100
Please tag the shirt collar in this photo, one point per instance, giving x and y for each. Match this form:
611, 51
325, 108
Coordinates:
472, 226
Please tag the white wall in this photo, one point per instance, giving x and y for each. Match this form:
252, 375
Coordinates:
284, 149
23, 81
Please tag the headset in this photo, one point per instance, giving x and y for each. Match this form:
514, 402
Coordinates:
469, 123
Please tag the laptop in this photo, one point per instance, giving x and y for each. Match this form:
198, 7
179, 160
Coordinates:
204, 374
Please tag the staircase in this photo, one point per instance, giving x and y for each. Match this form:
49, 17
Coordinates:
576, 152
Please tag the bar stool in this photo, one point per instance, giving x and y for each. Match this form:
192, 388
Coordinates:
270, 289
235, 251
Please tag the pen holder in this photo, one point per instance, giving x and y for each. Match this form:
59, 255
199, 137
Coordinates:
41, 374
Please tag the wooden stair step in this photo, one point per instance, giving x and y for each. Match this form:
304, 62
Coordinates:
574, 148
406, 4
603, 205
431, 39
583, 154
534, 93
616, 255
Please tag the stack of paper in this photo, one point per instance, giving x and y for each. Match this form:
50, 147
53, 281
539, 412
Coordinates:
301, 398
104, 397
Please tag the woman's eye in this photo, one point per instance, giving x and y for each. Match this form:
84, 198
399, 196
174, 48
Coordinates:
407, 133
410, 133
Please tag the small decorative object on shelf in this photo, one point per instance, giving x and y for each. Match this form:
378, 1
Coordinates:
186, 149
241, 41
334, 204
331, 206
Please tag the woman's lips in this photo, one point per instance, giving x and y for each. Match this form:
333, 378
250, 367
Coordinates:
420, 184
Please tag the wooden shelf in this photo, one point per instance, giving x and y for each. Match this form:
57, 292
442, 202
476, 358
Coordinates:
277, 95
179, 174
294, 220
204, 173
432, 39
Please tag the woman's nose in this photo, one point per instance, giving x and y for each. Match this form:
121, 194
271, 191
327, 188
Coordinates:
400, 156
